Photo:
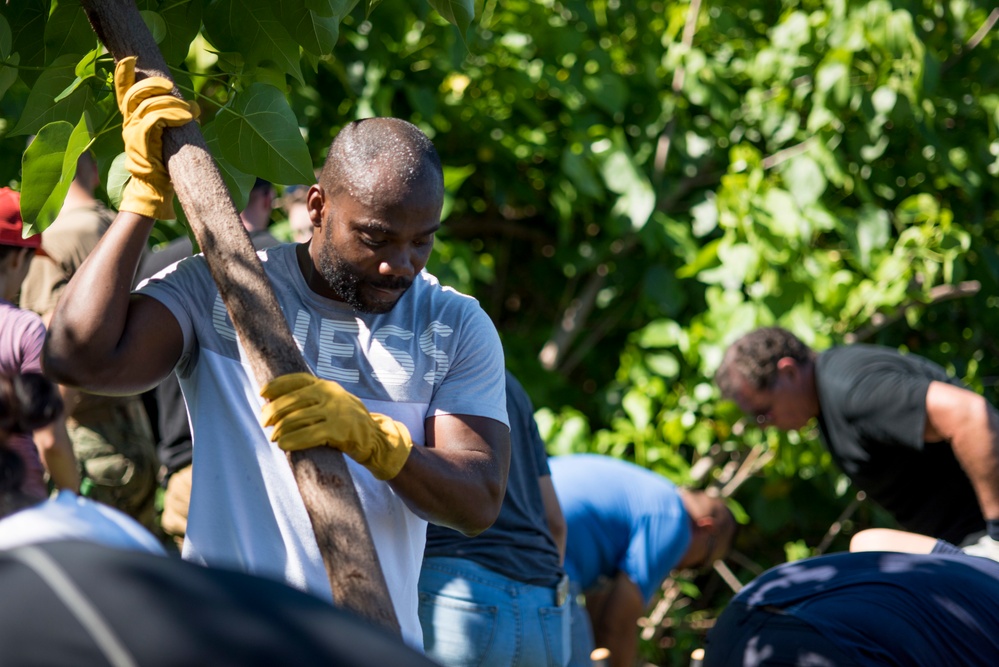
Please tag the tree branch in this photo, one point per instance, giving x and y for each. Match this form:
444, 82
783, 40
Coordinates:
937, 294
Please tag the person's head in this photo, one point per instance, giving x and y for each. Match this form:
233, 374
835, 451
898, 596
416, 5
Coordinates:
769, 373
294, 202
27, 402
256, 216
713, 529
87, 176
374, 212
16, 251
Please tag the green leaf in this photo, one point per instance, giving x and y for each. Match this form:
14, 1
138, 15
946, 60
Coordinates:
316, 30
117, 179
156, 24
663, 364
872, 231
453, 178
660, 333
41, 107
258, 133
68, 30
6, 39
639, 408
27, 21
249, 27
183, 22
239, 183
581, 173
622, 175
49, 165
8, 74
457, 12
804, 179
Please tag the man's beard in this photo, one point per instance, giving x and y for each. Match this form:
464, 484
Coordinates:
348, 283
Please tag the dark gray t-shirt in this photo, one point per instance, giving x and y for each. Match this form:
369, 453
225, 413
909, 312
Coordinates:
519, 545
872, 420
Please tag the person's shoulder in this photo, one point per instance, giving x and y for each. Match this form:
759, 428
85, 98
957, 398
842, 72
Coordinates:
20, 318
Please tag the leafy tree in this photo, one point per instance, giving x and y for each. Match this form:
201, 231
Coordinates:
630, 187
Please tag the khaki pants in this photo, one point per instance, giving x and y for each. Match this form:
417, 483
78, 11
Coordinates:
175, 505
113, 443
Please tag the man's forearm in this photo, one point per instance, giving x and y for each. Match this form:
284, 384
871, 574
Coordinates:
976, 447
460, 490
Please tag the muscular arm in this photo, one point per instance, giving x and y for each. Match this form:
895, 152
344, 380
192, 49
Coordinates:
971, 425
553, 514
101, 338
614, 613
458, 480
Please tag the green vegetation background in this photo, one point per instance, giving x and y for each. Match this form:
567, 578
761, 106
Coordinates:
631, 185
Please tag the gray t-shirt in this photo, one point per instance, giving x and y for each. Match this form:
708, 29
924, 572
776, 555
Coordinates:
435, 353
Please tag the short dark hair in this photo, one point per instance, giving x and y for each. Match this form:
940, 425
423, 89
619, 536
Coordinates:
754, 357
376, 142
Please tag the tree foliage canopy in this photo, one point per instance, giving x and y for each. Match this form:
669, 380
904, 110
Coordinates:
630, 187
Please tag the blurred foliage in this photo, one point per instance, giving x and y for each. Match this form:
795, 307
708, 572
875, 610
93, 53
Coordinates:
628, 191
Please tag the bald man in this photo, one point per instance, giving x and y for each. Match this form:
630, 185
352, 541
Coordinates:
378, 331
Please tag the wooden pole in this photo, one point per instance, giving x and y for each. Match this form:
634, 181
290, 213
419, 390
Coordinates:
323, 479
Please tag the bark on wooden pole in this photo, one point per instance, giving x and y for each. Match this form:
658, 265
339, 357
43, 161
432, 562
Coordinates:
323, 479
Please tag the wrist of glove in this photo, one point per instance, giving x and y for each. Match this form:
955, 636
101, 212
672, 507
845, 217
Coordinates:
306, 411
147, 107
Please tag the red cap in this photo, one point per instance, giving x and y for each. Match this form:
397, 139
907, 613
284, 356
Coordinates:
11, 225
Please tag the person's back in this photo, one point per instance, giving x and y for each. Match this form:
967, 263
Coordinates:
872, 421
870, 608
606, 503
81, 604
514, 568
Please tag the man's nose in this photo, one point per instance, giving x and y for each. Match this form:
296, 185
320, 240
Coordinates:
398, 262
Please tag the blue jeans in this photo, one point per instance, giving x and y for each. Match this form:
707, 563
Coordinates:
472, 616
581, 632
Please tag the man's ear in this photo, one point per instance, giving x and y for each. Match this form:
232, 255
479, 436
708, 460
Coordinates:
315, 200
789, 367
704, 524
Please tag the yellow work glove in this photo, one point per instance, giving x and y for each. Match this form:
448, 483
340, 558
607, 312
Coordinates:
146, 108
306, 411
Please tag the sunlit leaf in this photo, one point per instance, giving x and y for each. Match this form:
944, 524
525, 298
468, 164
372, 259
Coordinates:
457, 12
249, 27
258, 133
239, 182
49, 165
41, 107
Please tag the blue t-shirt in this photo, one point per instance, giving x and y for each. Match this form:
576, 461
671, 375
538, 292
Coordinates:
518, 545
892, 608
620, 518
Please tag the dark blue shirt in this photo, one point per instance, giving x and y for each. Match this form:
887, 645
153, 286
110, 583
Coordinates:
892, 608
518, 545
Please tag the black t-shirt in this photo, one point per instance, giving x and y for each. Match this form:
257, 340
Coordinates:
872, 420
75, 603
